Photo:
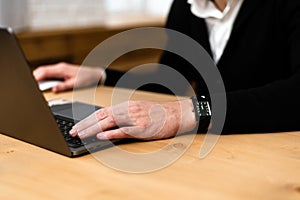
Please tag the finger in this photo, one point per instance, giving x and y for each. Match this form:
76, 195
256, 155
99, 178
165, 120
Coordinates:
93, 119
47, 72
90, 131
141, 133
133, 131
39, 73
97, 128
113, 134
66, 85
85, 123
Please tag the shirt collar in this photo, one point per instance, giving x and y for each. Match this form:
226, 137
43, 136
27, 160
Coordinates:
207, 9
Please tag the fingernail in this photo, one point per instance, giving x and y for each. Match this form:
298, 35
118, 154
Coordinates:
101, 136
72, 132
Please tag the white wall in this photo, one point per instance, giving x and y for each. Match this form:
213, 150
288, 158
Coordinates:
13, 13
48, 14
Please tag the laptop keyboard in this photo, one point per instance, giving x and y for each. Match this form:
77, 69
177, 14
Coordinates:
65, 126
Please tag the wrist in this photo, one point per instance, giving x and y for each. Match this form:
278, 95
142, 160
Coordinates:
202, 112
188, 117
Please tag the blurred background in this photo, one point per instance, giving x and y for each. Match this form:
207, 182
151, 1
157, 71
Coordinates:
50, 31
57, 14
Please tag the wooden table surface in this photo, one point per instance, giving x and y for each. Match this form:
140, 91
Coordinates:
248, 166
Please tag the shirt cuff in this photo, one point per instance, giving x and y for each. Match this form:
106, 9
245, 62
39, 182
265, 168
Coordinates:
103, 76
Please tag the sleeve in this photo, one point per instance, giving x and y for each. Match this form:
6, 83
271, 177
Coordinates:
176, 13
179, 19
112, 77
274, 107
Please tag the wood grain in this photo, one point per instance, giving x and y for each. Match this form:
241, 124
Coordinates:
249, 166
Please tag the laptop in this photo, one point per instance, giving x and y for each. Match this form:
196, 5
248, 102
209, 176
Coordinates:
26, 115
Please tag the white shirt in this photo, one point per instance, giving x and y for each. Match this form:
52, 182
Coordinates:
219, 23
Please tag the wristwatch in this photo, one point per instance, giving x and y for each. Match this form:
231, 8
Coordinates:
202, 112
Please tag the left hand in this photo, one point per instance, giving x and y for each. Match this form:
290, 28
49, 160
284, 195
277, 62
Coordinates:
145, 120
72, 75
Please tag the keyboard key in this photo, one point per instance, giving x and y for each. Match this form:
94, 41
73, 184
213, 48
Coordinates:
65, 126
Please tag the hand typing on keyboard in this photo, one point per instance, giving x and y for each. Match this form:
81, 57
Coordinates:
65, 125
138, 119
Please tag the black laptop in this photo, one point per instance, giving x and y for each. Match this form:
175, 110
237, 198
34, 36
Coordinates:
25, 114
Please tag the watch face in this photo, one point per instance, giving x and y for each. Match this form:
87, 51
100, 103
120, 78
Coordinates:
204, 108
201, 108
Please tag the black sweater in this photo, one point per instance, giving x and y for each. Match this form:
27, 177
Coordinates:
260, 64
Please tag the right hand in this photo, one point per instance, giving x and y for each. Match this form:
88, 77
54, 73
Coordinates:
68, 73
146, 120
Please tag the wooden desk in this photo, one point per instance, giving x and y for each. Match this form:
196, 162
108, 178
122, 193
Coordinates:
250, 166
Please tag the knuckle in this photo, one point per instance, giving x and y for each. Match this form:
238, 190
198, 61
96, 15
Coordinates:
134, 107
100, 114
60, 66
